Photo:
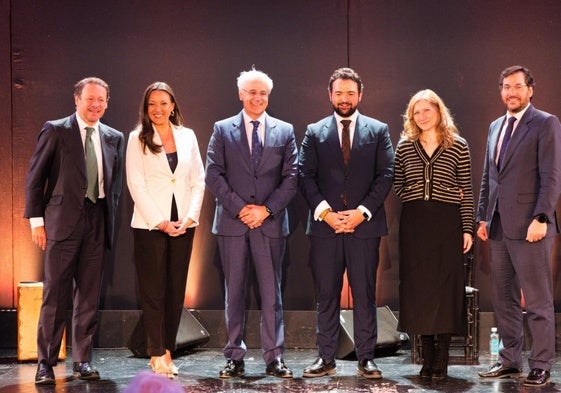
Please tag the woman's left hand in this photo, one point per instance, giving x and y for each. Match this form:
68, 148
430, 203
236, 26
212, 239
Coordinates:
468, 242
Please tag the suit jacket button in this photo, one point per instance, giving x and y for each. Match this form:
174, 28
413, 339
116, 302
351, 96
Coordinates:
173, 180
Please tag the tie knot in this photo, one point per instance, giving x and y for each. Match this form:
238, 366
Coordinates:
345, 123
511, 119
89, 131
255, 124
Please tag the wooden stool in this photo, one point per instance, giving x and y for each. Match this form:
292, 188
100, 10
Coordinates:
30, 297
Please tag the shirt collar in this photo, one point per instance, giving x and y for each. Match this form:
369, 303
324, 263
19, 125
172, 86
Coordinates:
352, 118
260, 119
82, 124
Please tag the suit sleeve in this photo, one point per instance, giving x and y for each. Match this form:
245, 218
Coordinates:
483, 203
549, 156
196, 182
216, 180
383, 176
308, 170
39, 167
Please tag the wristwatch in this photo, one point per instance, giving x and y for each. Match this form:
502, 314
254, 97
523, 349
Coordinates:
271, 215
541, 218
365, 215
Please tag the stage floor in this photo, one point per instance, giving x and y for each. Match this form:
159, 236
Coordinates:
198, 372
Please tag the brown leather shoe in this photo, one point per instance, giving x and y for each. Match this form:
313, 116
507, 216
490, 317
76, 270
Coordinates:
319, 368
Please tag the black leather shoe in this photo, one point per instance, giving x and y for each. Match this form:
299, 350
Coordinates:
368, 369
85, 371
537, 377
233, 368
320, 368
426, 372
44, 375
278, 369
497, 371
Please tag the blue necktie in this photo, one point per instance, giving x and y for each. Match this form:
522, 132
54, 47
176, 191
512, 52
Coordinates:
91, 166
256, 146
506, 139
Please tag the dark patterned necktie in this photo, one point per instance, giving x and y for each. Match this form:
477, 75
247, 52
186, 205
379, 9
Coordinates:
506, 139
346, 141
91, 166
256, 146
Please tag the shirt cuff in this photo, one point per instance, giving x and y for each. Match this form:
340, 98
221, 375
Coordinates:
36, 222
320, 208
364, 211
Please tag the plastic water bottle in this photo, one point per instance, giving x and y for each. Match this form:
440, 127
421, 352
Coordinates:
494, 345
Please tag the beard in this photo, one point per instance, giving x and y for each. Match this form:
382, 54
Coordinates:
346, 112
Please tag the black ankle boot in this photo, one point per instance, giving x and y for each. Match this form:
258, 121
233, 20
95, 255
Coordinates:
427, 344
440, 369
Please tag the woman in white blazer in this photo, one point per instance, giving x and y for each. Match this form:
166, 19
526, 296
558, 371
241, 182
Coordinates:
165, 177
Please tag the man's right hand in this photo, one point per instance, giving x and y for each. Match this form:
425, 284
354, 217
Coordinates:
482, 231
39, 237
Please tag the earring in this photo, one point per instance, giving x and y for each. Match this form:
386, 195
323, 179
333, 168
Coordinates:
173, 113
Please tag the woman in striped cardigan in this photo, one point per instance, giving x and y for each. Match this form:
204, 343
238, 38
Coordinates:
433, 180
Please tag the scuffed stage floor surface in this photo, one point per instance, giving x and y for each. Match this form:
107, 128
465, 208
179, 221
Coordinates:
198, 372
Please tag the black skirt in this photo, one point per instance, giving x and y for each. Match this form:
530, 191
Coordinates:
431, 269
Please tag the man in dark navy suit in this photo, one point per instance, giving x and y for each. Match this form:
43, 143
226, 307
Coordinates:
346, 172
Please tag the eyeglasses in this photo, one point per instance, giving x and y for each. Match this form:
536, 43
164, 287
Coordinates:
255, 93
516, 87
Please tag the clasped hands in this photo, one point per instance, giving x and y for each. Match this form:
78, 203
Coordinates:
344, 221
253, 215
175, 228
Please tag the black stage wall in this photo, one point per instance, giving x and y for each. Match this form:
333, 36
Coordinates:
199, 47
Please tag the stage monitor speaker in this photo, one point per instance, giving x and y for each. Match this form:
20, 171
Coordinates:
389, 339
190, 334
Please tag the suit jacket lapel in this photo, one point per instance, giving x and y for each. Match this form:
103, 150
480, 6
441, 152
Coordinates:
332, 138
239, 138
76, 145
271, 135
519, 134
494, 139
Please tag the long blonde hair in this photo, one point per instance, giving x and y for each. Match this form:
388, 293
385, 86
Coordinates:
446, 130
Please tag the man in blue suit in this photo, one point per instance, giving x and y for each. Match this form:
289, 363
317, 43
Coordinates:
520, 189
72, 207
251, 170
346, 172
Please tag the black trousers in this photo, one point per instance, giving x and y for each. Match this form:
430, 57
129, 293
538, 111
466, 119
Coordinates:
161, 263
73, 271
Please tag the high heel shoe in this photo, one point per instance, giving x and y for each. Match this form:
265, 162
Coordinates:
159, 366
170, 364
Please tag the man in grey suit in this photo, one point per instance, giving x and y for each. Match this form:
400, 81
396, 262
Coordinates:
72, 191
520, 189
251, 170
346, 172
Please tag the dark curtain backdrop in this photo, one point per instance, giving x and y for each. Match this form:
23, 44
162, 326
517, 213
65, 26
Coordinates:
199, 47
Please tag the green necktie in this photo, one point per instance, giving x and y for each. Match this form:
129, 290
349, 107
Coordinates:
91, 166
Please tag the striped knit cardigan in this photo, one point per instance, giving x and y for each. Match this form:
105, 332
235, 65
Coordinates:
444, 177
